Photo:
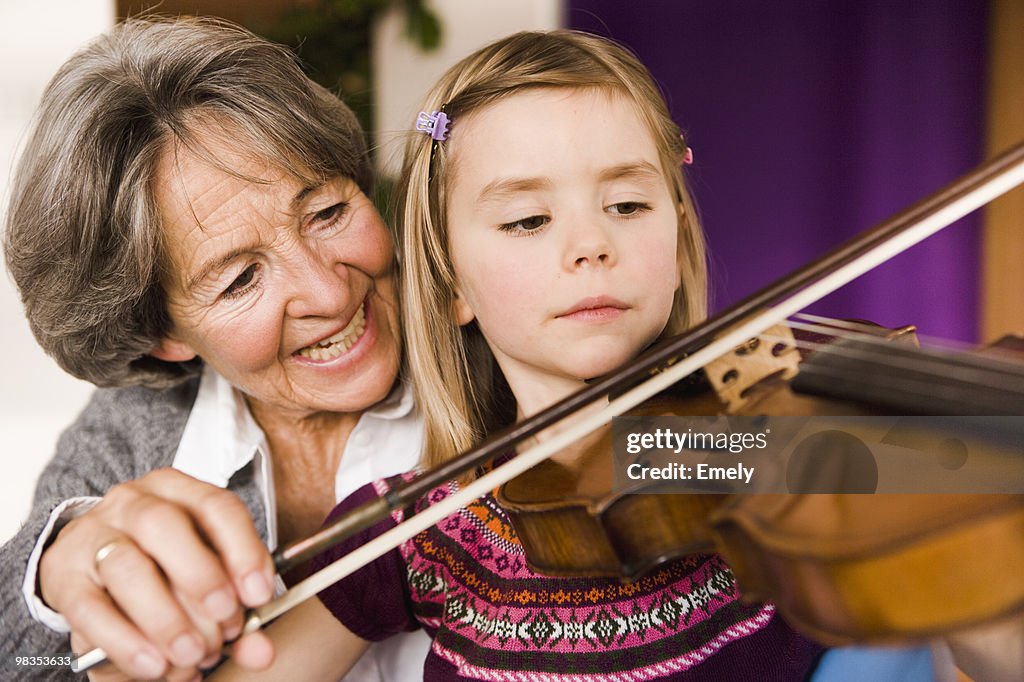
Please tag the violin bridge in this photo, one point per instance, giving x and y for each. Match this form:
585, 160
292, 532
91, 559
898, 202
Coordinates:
772, 354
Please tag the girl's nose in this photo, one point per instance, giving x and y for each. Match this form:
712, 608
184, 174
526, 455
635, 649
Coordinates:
596, 256
589, 246
318, 285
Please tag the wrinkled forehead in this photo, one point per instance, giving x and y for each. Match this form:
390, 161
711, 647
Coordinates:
218, 197
196, 175
236, 148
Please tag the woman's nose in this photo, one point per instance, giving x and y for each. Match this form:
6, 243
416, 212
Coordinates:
318, 285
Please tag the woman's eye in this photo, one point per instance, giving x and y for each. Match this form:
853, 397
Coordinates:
628, 207
526, 225
328, 217
243, 282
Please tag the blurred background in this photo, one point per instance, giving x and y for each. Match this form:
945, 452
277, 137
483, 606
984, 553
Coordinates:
810, 121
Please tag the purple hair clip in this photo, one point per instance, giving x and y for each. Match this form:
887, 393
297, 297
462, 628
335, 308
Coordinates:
435, 124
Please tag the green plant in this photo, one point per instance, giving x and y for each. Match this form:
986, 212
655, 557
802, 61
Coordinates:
332, 37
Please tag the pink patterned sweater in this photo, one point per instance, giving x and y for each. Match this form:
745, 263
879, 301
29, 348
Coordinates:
465, 581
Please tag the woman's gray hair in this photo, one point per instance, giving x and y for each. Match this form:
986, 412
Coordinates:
84, 240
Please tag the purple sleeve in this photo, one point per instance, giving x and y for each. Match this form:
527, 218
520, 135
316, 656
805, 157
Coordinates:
374, 601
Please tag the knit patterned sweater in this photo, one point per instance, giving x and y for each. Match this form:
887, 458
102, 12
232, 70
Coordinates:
466, 582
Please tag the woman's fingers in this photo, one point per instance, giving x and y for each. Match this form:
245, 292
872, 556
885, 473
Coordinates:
108, 672
244, 555
168, 533
102, 673
167, 501
129, 654
138, 588
226, 526
158, 573
70, 585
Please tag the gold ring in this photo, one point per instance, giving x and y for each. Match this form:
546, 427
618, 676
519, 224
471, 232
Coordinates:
105, 551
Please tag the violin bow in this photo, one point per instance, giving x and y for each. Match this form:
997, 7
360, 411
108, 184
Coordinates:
652, 372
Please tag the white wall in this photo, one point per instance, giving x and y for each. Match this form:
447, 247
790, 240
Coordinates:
36, 398
404, 73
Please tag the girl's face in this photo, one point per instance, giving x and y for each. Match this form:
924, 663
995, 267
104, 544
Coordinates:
286, 290
563, 234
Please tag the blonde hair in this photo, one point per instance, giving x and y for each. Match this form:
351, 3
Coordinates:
460, 388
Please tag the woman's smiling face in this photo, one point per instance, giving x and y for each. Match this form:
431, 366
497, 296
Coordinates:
285, 289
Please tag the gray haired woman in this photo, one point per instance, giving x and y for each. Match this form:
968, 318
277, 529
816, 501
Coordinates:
189, 229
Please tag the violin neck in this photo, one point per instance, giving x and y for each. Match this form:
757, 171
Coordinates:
913, 380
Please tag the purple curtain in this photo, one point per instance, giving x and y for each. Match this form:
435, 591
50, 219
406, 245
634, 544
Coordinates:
811, 121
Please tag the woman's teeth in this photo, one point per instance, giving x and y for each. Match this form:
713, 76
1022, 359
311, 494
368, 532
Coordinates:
339, 343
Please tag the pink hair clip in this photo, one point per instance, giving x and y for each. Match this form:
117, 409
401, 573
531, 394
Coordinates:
435, 124
688, 157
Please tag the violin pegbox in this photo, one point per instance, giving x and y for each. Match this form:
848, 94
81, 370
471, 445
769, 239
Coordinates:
771, 355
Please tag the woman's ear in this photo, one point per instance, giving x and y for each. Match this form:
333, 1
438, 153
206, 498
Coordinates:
172, 350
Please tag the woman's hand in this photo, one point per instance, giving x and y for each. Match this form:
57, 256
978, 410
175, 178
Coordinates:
158, 574
255, 649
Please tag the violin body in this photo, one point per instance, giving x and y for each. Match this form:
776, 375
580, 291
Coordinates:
883, 567
840, 567
570, 523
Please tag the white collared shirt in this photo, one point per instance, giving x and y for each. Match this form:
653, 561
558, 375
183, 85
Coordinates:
221, 437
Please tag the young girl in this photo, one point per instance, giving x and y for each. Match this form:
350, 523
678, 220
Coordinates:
547, 240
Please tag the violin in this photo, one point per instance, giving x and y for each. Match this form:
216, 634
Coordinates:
572, 522
650, 375
890, 567
842, 568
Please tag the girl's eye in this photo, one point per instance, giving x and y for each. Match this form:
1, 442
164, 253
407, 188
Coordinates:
627, 208
328, 217
243, 282
526, 225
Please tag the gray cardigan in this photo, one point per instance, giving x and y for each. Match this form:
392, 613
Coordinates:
120, 435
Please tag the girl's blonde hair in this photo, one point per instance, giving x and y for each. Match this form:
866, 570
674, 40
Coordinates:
460, 388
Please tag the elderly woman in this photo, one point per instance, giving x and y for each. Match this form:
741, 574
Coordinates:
190, 230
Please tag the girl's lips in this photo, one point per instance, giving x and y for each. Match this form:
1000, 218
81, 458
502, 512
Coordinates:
595, 307
597, 314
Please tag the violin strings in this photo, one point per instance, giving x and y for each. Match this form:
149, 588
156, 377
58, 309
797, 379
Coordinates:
919, 395
919, 392
864, 332
907, 363
955, 352
884, 358
867, 328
